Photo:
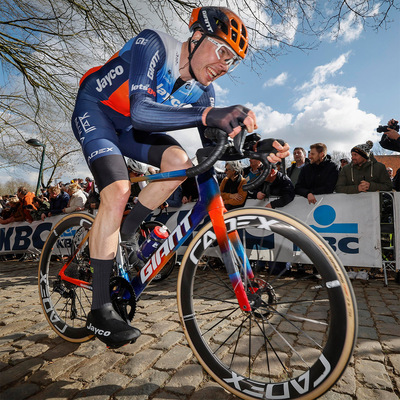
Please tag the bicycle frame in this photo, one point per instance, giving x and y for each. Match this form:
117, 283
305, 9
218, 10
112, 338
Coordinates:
210, 203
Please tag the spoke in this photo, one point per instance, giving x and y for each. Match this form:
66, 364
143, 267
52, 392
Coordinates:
297, 328
219, 321
266, 339
302, 301
291, 347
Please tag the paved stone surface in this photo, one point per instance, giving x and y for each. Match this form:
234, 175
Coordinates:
36, 364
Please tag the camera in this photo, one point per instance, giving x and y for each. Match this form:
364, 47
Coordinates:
384, 128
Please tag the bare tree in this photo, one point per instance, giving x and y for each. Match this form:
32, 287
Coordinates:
46, 46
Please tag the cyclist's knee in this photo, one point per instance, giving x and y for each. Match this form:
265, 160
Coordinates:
116, 195
175, 158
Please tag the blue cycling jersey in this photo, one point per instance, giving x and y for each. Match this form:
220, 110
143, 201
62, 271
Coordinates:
136, 91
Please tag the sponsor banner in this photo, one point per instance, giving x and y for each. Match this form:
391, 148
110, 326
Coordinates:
396, 216
19, 237
349, 223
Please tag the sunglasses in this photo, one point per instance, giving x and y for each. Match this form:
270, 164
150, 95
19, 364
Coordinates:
225, 53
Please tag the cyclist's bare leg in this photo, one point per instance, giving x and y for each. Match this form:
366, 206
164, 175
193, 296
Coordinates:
103, 320
104, 233
174, 158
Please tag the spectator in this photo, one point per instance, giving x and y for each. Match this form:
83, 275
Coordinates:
10, 209
396, 181
25, 205
93, 200
189, 190
77, 199
232, 186
58, 201
89, 184
390, 172
343, 162
364, 174
175, 200
318, 177
251, 172
390, 139
300, 160
279, 185
42, 206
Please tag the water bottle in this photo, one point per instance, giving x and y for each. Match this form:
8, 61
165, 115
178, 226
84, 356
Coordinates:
153, 242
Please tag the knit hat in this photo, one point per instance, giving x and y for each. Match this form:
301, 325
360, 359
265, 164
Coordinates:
363, 150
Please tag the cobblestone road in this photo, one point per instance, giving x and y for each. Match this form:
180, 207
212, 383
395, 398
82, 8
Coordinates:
36, 364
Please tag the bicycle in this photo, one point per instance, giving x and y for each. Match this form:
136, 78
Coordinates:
258, 335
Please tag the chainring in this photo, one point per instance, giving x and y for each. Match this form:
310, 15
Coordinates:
123, 298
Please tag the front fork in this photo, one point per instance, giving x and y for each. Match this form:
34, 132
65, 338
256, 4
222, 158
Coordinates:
225, 242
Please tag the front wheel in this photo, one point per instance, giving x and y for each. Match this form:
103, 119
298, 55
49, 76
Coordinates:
299, 335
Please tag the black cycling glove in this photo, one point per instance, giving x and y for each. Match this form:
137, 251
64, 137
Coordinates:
226, 118
266, 146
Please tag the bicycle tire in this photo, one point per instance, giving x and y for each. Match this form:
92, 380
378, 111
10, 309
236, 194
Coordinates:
64, 304
166, 271
299, 336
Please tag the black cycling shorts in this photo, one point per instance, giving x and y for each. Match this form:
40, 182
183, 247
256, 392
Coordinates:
104, 145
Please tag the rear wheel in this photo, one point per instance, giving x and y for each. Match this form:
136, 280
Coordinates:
66, 305
299, 336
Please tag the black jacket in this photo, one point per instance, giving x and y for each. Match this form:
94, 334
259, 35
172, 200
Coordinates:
390, 144
317, 178
282, 187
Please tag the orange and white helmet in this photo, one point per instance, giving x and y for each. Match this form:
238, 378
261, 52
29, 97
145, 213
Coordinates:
222, 23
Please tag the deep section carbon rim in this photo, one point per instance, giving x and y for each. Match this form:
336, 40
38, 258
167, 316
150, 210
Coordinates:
65, 304
299, 336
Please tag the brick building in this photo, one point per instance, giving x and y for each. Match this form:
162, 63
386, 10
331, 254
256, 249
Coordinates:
392, 161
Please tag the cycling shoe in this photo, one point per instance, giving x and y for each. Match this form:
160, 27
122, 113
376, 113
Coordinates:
108, 326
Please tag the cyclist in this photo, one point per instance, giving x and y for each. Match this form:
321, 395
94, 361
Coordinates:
121, 108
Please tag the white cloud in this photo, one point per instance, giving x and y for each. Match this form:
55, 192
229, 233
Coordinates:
277, 81
323, 72
330, 113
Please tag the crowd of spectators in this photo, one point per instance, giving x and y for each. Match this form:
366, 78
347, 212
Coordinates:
62, 198
309, 175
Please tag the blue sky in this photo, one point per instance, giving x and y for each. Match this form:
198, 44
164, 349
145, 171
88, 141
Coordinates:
337, 94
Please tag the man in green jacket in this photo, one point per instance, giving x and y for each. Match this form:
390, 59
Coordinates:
364, 173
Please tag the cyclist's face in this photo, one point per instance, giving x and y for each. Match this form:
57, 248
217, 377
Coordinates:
209, 61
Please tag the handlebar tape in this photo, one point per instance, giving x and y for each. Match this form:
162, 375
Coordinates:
221, 138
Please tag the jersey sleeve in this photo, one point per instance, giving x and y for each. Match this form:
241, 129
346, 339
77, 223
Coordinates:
147, 60
206, 100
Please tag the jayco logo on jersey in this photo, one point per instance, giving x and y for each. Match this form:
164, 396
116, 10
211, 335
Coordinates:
108, 79
206, 21
166, 96
153, 63
324, 216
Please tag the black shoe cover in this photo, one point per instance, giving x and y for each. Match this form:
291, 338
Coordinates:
107, 325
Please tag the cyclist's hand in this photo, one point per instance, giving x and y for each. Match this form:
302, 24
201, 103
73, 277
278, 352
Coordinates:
229, 118
283, 151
